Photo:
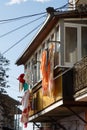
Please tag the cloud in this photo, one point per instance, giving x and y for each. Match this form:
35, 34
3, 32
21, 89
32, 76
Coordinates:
11, 2
42, 0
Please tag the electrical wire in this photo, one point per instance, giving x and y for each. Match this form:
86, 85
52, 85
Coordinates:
65, 5
62, 7
21, 39
7, 22
70, 3
76, 1
28, 16
22, 17
21, 26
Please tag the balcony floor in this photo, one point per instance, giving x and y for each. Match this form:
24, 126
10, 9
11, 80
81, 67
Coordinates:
59, 110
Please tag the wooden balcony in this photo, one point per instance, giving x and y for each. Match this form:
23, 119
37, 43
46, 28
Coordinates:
67, 88
41, 102
46, 105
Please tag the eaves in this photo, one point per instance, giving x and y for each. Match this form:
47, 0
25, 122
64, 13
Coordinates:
37, 40
48, 25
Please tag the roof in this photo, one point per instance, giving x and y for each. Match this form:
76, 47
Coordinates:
42, 33
45, 30
10, 105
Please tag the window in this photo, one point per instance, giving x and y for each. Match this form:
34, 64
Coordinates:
25, 67
75, 41
43, 46
84, 41
57, 47
70, 44
38, 65
57, 33
48, 43
34, 60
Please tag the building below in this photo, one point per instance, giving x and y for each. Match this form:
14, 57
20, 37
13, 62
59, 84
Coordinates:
8, 109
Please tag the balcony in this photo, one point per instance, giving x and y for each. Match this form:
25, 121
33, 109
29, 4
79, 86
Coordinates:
44, 107
70, 87
80, 80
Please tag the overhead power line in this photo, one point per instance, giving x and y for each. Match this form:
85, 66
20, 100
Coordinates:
21, 26
22, 17
62, 7
28, 16
21, 39
65, 5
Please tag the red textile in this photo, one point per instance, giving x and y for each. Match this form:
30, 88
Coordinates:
26, 108
21, 78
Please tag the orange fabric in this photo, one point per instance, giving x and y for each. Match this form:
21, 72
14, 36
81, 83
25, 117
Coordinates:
47, 65
44, 73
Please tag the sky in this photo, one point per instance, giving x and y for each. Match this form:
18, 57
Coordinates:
16, 32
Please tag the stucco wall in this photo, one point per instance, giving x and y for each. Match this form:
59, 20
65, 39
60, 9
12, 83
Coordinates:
73, 123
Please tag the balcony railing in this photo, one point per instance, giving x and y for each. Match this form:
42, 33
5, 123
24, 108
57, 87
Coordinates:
80, 75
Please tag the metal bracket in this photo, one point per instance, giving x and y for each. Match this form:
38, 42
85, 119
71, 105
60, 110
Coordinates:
60, 125
77, 115
38, 126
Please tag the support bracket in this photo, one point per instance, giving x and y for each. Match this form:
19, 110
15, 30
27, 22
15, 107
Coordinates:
60, 125
77, 115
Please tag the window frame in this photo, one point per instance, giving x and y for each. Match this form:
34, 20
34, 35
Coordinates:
79, 39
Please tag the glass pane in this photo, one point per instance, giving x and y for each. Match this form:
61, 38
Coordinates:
70, 44
57, 47
56, 54
84, 41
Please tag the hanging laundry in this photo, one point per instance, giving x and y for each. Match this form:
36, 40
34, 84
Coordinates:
21, 78
47, 66
26, 99
28, 77
20, 86
44, 73
26, 108
25, 86
21, 81
51, 71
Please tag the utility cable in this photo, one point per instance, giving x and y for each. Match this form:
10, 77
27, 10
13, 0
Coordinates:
21, 26
21, 39
27, 16
69, 3
62, 7
7, 22
22, 17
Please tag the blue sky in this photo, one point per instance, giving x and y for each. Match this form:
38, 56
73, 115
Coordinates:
16, 8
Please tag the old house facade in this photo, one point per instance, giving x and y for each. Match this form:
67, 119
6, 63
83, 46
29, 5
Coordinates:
57, 62
8, 110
